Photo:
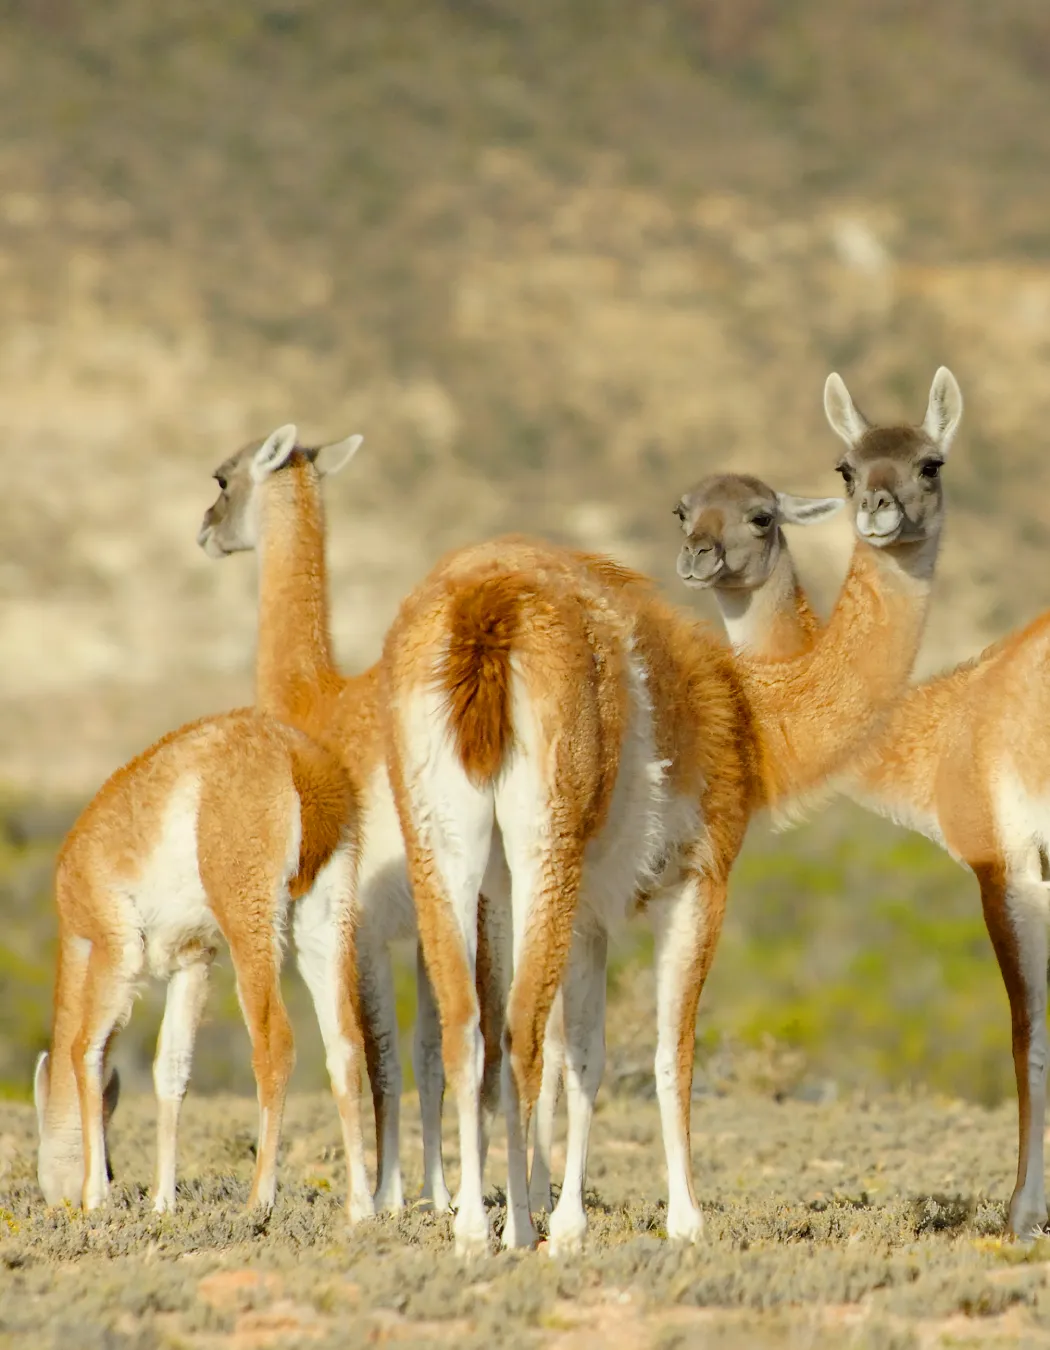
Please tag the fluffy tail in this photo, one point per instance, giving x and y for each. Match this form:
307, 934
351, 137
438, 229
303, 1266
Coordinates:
484, 624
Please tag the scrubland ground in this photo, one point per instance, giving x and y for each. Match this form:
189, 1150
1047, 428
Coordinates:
865, 1222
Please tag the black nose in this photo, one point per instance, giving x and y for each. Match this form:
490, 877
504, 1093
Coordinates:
877, 499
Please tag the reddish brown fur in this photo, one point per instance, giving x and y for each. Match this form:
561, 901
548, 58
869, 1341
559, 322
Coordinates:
476, 675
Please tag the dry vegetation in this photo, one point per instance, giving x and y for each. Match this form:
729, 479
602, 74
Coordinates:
866, 1224
555, 261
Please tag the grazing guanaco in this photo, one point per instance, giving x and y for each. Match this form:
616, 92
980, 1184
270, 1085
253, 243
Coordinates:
955, 762
270, 500
227, 828
550, 716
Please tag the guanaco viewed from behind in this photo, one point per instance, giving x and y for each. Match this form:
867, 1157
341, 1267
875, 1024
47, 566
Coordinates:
552, 719
227, 828
270, 500
957, 761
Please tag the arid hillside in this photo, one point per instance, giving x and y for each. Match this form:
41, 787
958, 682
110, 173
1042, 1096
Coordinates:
553, 261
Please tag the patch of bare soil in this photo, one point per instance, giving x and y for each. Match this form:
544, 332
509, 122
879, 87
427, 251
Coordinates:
861, 1223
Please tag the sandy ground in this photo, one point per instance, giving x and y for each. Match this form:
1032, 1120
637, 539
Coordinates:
856, 1223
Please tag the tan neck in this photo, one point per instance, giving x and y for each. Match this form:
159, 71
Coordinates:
295, 648
774, 621
816, 710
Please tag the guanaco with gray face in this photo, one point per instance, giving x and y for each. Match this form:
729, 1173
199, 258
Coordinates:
551, 719
957, 760
270, 501
230, 828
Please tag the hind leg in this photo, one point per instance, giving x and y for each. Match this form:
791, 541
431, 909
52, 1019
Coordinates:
183, 1007
257, 970
1015, 913
327, 959
545, 866
109, 988
584, 1003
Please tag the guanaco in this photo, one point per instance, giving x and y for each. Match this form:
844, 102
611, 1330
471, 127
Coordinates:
551, 718
955, 762
270, 500
229, 827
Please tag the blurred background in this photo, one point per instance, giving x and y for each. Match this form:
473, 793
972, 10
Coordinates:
555, 261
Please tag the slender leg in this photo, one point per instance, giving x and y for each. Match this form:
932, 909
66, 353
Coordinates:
379, 1025
108, 994
687, 924
430, 1078
447, 839
584, 1005
327, 959
1015, 912
545, 866
547, 1107
273, 1048
492, 978
183, 1008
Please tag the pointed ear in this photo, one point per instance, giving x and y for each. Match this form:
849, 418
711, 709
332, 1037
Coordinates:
331, 458
274, 452
807, 510
41, 1088
944, 410
845, 417
110, 1096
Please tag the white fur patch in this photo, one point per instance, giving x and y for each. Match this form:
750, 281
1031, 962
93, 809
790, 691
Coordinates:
168, 895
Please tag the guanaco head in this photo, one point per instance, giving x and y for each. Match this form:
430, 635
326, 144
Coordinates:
732, 522
60, 1156
231, 524
893, 474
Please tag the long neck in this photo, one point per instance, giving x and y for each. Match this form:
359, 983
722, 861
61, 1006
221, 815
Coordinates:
775, 620
815, 711
295, 649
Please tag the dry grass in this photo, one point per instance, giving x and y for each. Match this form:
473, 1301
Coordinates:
870, 1223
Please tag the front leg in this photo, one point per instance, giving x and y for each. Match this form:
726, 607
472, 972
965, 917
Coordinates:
583, 996
686, 923
1015, 913
430, 1080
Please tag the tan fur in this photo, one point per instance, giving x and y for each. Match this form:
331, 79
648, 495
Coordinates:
737, 736
938, 760
251, 783
298, 681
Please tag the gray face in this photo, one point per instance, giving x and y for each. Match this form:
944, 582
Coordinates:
893, 474
733, 538
229, 524
732, 533
893, 481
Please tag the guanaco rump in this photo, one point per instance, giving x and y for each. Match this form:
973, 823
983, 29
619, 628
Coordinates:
551, 719
229, 827
956, 761
270, 500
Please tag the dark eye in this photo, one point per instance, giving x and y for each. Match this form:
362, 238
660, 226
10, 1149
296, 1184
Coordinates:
847, 475
679, 511
931, 468
763, 520
221, 482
